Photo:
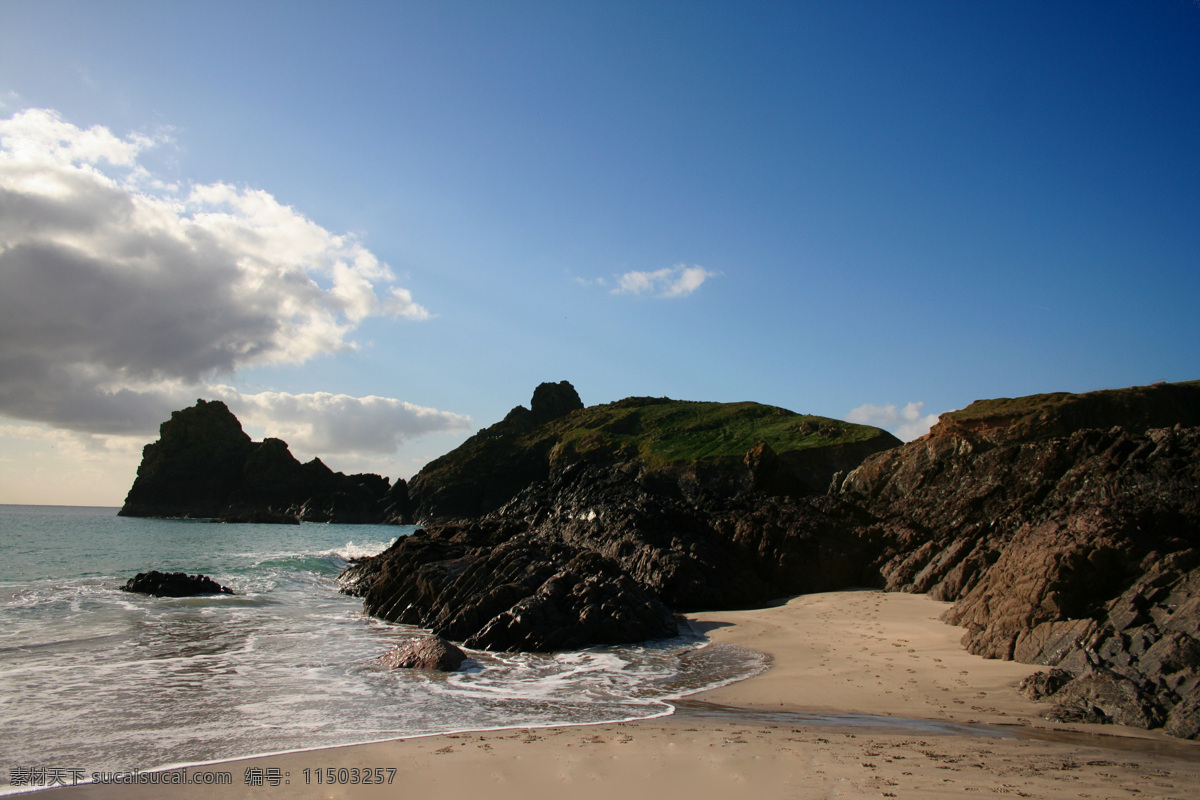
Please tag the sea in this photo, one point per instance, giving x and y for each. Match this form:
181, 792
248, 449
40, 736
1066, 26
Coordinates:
94, 679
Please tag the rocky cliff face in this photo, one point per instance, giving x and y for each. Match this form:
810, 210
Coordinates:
1063, 537
205, 466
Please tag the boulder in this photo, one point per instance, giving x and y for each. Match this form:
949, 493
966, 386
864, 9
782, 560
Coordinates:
431, 653
1041, 685
173, 584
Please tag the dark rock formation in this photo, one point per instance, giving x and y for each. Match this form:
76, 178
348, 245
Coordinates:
205, 466
173, 584
491, 585
553, 400
193, 468
599, 555
431, 653
485, 471
1059, 542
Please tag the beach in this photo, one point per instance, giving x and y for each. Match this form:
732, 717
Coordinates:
955, 727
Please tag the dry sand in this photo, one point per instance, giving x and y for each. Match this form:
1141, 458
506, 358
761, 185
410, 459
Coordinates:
958, 729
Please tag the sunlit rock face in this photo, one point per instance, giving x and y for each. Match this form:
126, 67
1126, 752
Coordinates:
1066, 530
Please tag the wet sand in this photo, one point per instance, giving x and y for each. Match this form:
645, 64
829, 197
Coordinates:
869, 695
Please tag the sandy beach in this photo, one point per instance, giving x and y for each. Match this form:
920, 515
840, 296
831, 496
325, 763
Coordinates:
918, 718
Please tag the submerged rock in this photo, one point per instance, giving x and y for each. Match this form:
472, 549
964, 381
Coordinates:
173, 584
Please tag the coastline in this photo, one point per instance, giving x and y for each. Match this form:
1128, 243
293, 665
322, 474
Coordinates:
917, 716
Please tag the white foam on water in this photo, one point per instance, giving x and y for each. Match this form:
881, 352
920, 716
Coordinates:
104, 680
350, 550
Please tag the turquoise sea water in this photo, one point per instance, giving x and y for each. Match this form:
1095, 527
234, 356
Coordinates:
95, 679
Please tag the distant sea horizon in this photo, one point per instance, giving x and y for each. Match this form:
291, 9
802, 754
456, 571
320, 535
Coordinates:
96, 679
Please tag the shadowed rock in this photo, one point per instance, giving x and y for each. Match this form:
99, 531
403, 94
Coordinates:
204, 466
173, 584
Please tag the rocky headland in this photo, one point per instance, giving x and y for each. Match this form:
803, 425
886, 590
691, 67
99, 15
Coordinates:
204, 466
1064, 528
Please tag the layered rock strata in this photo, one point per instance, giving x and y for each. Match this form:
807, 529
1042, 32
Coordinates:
1059, 543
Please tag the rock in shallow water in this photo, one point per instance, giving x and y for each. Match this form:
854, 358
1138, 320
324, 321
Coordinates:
424, 652
173, 584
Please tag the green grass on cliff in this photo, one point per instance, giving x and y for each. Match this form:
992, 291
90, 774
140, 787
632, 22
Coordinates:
661, 431
1156, 405
1016, 408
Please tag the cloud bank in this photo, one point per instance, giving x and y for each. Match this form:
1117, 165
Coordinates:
677, 281
123, 298
907, 423
338, 424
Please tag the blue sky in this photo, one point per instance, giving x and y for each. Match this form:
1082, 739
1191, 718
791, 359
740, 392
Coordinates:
373, 228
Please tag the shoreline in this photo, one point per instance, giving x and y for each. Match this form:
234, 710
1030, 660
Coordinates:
843, 665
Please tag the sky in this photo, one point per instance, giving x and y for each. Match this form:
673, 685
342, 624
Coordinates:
373, 228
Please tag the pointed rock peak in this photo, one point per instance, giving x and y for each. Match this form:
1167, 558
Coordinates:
208, 424
553, 400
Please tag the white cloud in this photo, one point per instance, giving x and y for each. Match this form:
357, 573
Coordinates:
677, 281
122, 298
907, 423
323, 424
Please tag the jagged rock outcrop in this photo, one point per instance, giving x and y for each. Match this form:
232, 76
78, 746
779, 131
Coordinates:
572, 526
553, 400
601, 554
193, 468
173, 584
432, 653
489, 584
205, 466
1059, 543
